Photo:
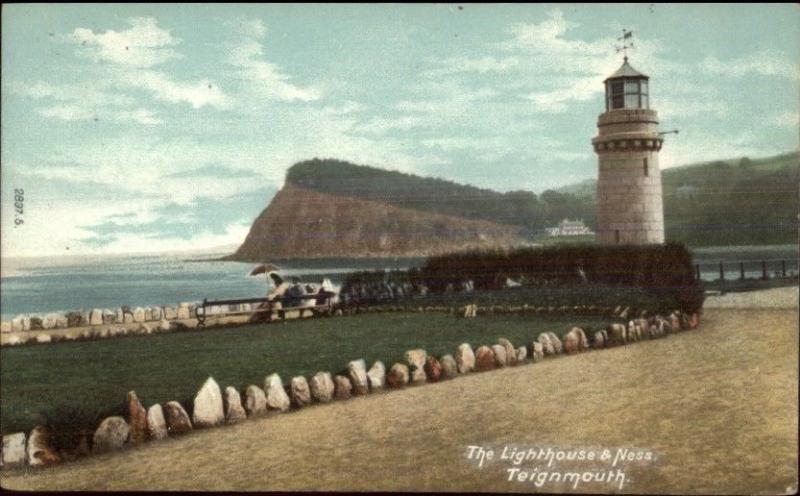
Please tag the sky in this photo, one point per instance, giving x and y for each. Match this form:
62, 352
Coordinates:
148, 128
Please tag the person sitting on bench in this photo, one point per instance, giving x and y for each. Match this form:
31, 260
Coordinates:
280, 287
294, 294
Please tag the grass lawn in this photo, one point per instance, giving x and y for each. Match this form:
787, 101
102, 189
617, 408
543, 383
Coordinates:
90, 379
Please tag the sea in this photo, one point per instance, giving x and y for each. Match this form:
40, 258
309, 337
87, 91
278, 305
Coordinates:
39, 285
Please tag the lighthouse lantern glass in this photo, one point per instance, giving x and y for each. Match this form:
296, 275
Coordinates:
645, 93
627, 93
616, 94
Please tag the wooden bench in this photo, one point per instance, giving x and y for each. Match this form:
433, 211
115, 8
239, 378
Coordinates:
233, 307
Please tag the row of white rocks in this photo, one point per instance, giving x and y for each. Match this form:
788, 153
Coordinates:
145, 320
92, 333
98, 316
186, 310
213, 406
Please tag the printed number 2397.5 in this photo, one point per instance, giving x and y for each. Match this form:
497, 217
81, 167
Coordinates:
19, 199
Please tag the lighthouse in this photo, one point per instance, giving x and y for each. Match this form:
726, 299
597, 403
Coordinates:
629, 203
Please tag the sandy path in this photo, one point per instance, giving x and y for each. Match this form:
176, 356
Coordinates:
717, 406
768, 298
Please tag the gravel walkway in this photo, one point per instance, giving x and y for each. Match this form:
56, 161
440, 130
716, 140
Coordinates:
768, 298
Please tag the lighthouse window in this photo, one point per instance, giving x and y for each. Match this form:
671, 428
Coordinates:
646, 170
632, 94
632, 86
617, 94
645, 92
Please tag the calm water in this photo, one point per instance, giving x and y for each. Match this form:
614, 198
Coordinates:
48, 285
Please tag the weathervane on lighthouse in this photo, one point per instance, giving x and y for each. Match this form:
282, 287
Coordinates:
627, 42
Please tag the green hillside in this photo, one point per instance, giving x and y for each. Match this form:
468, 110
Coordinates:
727, 202
731, 202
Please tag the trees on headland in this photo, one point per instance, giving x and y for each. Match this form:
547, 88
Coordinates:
519, 208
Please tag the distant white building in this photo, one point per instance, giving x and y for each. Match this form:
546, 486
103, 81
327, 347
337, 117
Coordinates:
569, 228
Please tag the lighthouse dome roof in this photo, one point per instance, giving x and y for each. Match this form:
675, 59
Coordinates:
626, 71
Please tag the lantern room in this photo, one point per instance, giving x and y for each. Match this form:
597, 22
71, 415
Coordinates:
627, 89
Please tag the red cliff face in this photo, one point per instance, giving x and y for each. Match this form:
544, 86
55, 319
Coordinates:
303, 223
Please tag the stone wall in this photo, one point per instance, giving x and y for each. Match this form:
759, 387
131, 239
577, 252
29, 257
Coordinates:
98, 316
213, 406
98, 323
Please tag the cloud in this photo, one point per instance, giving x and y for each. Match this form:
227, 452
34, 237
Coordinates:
142, 116
85, 102
265, 78
551, 48
53, 227
446, 97
503, 146
446, 104
144, 44
131, 55
693, 146
198, 94
202, 239
676, 107
547, 39
73, 112
214, 170
90, 92
382, 125
559, 100
68, 113
789, 119
135, 163
764, 64
253, 28
345, 108
122, 213
480, 65
558, 69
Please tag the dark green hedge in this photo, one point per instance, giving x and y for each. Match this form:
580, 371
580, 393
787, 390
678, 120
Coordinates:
665, 270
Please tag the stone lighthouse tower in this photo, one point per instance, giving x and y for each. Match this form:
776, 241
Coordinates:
629, 202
